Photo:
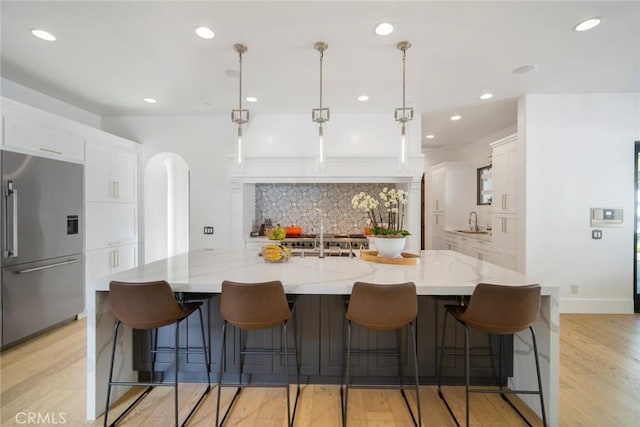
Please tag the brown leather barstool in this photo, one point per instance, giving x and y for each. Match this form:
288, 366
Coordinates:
149, 306
256, 306
501, 310
378, 307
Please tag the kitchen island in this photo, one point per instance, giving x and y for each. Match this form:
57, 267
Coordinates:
438, 274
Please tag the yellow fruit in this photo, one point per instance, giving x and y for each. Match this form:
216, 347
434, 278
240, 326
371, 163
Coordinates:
273, 252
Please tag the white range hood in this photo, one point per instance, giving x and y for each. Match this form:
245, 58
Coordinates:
359, 148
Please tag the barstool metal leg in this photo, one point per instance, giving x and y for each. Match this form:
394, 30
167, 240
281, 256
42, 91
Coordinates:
467, 374
221, 360
176, 363
286, 371
535, 353
440, 393
345, 401
113, 354
415, 370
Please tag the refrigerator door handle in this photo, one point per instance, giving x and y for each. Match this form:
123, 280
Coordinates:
44, 267
13, 194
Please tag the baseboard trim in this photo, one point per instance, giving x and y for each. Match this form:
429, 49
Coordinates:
596, 306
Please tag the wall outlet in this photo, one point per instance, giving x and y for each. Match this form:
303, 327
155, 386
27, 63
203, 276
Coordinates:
208, 230
574, 289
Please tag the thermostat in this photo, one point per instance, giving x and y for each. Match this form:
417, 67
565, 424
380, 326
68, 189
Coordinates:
606, 217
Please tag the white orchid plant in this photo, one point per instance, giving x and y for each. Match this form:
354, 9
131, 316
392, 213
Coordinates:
386, 215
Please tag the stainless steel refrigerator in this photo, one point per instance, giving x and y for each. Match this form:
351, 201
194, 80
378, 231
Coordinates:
42, 241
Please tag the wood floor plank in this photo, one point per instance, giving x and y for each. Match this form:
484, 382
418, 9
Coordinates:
599, 386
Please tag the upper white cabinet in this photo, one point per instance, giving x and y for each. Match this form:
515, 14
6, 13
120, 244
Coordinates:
111, 171
452, 199
505, 172
32, 131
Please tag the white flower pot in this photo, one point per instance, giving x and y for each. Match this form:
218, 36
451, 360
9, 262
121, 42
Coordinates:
390, 247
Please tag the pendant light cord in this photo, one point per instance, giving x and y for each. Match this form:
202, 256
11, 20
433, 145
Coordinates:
404, 56
240, 79
321, 59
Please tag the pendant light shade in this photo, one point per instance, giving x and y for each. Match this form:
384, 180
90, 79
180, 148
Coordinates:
320, 115
404, 114
239, 116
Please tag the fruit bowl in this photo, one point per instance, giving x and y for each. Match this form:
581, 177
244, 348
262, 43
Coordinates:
275, 253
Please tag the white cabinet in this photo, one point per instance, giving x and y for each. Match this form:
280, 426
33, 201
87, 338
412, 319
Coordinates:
437, 229
111, 173
505, 172
506, 210
452, 199
110, 224
111, 208
103, 262
505, 239
32, 131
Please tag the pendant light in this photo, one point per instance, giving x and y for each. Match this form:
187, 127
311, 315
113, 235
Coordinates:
320, 115
239, 116
403, 114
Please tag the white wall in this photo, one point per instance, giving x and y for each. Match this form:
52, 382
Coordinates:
580, 154
204, 142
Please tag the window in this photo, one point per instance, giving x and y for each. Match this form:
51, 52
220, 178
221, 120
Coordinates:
484, 185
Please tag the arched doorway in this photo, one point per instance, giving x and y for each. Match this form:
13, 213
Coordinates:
166, 207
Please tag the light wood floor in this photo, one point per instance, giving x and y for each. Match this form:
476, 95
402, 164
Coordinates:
599, 386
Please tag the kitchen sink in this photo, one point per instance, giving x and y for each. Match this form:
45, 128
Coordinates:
316, 253
473, 232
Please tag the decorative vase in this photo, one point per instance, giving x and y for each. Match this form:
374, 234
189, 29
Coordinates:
390, 247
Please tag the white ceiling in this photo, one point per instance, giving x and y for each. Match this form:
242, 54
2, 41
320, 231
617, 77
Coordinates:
110, 55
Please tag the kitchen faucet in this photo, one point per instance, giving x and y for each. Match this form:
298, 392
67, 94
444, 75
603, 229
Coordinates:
475, 221
321, 254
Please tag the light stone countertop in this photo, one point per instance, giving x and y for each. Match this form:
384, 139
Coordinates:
437, 273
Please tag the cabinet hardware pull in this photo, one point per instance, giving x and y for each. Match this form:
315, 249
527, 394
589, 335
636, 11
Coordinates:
117, 258
13, 193
44, 267
50, 151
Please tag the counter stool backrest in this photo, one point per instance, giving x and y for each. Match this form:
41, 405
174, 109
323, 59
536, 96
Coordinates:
382, 307
145, 305
254, 305
500, 309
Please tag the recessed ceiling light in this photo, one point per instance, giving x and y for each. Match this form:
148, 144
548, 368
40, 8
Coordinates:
251, 99
524, 69
384, 29
486, 96
587, 25
430, 136
44, 35
363, 98
205, 32
150, 100
456, 117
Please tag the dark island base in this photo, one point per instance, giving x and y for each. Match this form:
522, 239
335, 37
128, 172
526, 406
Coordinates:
320, 336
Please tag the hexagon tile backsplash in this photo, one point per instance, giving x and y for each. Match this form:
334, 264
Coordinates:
295, 204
